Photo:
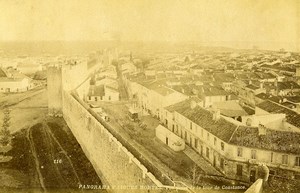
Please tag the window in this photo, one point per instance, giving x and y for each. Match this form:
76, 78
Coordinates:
222, 146
271, 157
253, 154
297, 162
215, 141
222, 163
207, 152
109, 97
240, 152
185, 135
90, 98
196, 143
191, 125
285, 159
239, 170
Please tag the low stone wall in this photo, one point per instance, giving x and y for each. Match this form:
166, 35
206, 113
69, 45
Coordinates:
116, 166
256, 187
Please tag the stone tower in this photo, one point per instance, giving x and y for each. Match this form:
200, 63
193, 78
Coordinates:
54, 90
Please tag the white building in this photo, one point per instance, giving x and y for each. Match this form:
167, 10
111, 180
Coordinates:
232, 147
12, 81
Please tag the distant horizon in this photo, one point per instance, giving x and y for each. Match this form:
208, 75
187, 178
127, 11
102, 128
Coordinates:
267, 24
240, 45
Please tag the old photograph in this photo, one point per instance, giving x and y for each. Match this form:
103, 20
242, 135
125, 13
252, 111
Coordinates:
153, 96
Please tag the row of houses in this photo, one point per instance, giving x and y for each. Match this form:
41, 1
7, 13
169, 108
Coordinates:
236, 148
211, 121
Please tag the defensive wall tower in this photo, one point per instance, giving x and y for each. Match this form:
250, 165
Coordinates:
54, 90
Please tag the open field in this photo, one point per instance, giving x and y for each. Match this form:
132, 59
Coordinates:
46, 156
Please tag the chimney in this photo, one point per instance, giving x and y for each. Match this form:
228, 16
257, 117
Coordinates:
92, 89
193, 104
261, 85
216, 114
261, 130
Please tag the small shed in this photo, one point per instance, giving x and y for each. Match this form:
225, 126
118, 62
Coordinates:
169, 138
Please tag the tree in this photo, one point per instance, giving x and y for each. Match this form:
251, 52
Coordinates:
194, 175
5, 135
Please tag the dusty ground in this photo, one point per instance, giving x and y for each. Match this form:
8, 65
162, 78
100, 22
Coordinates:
26, 108
37, 142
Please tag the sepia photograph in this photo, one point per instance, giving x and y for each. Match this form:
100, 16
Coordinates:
150, 96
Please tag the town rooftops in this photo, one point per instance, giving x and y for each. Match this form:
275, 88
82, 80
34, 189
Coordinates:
179, 105
224, 77
252, 87
230, 108
292, 117
184, 89
221, 128
262, 96
162, 90
288, 85
212, 91
294, 99
278, 66
274, 140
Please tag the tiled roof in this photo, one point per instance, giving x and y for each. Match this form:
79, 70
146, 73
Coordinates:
252, 87
230, 108
212, 91
271, 107
282, 141
262, 95
279, 67
184, 89
2, 73
96, 91
162, 90
288, 85
263, 75
294, 99
204, 118
224, 77
179, 105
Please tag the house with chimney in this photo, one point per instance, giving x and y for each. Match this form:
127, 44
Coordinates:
237, 148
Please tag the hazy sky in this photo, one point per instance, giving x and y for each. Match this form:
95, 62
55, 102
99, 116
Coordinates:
265, 23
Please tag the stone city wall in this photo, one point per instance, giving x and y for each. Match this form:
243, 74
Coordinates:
115, 165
